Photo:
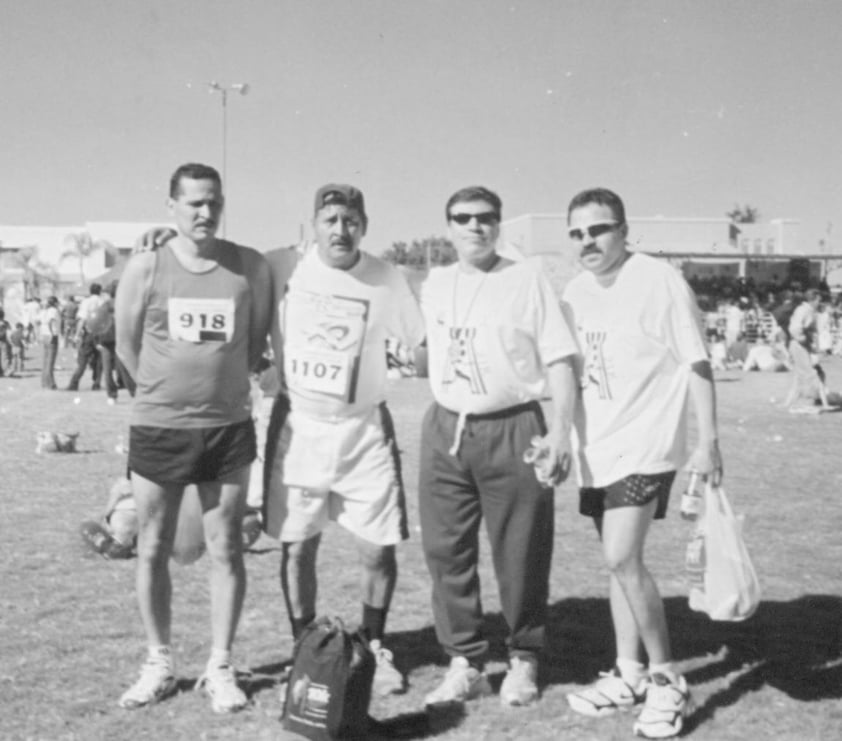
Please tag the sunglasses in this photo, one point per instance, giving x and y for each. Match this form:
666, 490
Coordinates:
594, 230
486, 218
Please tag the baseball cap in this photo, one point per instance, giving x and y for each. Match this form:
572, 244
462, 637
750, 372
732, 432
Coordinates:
340, 194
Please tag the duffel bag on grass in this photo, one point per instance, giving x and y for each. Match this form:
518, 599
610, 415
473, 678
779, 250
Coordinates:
329, 687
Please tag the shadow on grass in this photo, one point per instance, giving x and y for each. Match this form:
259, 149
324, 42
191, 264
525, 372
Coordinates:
795, 646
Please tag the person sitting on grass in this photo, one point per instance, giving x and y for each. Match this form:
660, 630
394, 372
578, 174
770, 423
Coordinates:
767, 357
115, 535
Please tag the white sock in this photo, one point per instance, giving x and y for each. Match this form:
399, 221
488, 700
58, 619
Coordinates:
631, 670
162, 653
667, 669
219, 657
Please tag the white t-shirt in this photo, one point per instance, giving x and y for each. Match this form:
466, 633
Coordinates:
491, 335
334, 325
89, 309
639, 337
50, 320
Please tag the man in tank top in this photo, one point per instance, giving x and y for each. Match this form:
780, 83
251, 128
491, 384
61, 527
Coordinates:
191, 321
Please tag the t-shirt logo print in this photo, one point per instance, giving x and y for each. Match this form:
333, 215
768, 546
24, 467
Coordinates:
595, 368
462, 362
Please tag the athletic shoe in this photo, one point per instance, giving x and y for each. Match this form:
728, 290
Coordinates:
220, 682
156, 683
607, 695
462, 682
667, 704
387, 679
519, 685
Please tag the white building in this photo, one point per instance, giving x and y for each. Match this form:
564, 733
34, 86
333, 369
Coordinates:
699, 246
42, 260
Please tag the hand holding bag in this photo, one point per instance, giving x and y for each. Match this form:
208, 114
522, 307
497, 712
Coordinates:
723, 582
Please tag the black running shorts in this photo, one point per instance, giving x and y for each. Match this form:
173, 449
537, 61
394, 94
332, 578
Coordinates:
632, 491
169, 456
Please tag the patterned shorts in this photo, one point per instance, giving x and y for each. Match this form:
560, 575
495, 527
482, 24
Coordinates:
632, 491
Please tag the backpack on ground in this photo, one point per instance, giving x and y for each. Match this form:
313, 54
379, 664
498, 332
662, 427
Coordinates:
329, 687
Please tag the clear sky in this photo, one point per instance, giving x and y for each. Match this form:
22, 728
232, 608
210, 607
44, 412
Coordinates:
684, 107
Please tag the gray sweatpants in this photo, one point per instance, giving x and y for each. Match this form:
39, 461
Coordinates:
487, 479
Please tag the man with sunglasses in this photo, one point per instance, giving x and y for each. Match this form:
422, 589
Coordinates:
643, 353
498, 343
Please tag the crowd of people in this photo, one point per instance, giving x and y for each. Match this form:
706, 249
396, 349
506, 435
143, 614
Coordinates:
792, 329
187, 330
86, 326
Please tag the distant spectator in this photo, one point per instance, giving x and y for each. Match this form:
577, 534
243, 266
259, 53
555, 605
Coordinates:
87, 353
5, 344
16, 340
50, 323
733, 322
824, 335
809, 380
69, 312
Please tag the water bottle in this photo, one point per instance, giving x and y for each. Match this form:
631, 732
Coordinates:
692, 501
538, 455
694, 561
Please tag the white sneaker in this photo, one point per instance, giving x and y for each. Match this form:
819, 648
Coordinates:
157, 681
667, 705
462, 682
387, 679
520, 686
607, 695
220, 682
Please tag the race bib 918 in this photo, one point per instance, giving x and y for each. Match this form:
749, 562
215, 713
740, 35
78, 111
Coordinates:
201, 319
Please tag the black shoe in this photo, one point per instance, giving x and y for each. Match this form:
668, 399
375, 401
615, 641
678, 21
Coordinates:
72, 388
96, 387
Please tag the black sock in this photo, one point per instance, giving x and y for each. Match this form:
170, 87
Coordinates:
298, 625
374, 622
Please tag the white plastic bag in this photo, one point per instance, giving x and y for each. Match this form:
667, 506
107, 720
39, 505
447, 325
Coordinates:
729, 589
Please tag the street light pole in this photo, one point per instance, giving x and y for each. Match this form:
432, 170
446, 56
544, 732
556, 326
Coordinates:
215, 87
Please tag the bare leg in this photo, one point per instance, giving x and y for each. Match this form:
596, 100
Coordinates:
157, 513
223, 503
379, 572
636, 605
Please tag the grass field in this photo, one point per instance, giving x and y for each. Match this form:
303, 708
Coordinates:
71, 639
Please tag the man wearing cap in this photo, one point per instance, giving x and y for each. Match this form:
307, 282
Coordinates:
332, 453
191, 320
498, 343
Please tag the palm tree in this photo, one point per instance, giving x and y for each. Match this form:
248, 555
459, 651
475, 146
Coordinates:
81, 245
35, 271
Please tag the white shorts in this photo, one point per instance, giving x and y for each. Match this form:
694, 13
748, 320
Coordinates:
346, 470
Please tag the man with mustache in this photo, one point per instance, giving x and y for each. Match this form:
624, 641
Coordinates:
643, 353
191, 321
332, 453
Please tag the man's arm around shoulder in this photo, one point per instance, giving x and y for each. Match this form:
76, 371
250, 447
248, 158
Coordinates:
259, 277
